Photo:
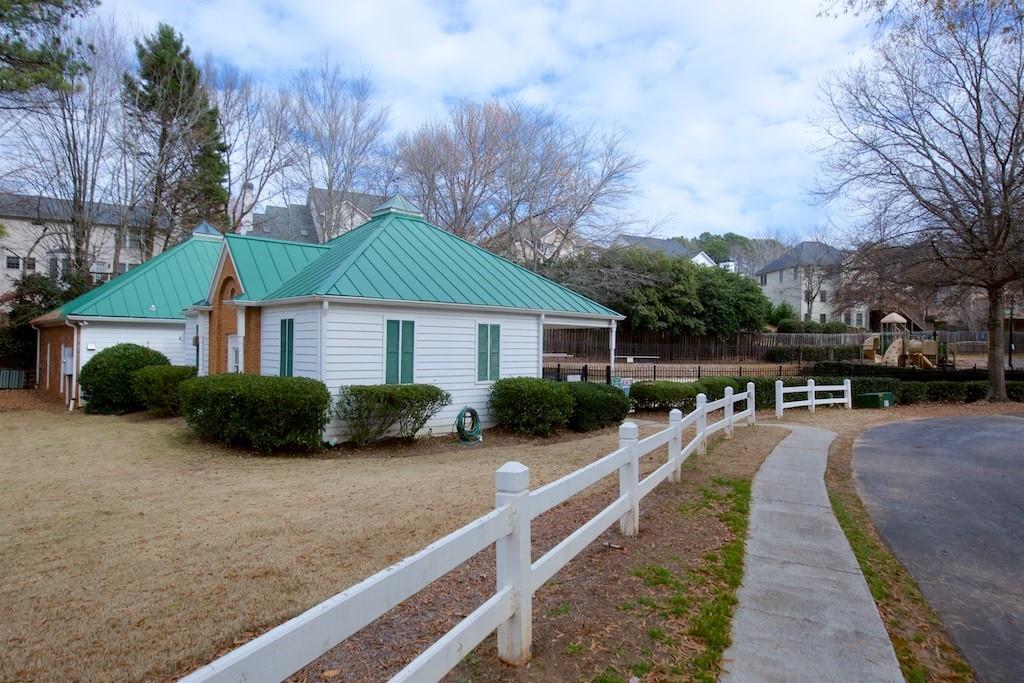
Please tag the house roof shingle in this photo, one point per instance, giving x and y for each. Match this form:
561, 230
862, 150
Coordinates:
805, 254
43, 209
669, 247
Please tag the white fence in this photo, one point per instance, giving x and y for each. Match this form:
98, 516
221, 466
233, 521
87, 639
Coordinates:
287, 648
810, 391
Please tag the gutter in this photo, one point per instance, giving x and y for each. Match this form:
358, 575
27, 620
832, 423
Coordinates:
425, 304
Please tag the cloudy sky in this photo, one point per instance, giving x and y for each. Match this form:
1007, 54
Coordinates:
716, 96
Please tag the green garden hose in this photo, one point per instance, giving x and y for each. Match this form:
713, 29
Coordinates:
472, 434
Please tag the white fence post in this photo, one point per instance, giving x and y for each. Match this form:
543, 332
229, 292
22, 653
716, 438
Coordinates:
751, 405
848, 393
513, 559
728, 412
778, 399
675, 446
629, 479
810, 394
702, 423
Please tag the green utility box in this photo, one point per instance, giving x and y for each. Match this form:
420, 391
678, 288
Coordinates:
881, 399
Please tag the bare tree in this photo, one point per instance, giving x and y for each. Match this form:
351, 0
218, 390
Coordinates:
336, 125
65, 143
522, 180
254, 120
928, 135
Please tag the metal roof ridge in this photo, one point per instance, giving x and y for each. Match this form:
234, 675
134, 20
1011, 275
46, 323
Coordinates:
236, 236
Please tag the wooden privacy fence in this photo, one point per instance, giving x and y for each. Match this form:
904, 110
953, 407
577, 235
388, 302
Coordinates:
287, 648
810, 390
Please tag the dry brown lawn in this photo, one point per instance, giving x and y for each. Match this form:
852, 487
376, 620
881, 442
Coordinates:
130, 551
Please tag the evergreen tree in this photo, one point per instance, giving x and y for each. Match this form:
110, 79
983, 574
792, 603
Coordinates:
33, 52
186, 146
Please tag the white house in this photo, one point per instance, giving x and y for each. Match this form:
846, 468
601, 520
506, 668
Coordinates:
393, 301
668, 247
144, 306
806, 277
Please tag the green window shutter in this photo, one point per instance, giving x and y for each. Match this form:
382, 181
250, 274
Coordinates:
495, 361
408, 346
287, 353
482, 354
391, 353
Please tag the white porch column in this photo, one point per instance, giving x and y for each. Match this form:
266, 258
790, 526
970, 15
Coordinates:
611, 347
240, 331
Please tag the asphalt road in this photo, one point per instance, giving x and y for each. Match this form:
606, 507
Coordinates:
948, 497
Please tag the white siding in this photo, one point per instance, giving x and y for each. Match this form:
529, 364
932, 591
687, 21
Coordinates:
306, 361
445, 353
167, 338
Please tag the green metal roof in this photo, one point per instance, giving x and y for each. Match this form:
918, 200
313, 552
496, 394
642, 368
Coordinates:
400, 256
262, 264
399, 204
160, 288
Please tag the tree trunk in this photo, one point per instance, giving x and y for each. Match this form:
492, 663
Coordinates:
996, 345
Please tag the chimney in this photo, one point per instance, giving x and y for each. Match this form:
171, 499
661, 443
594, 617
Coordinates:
245, 204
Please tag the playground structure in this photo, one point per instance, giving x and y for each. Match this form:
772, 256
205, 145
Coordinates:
896, 345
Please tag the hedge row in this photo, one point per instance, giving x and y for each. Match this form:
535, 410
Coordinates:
157, 387
908, 374
794, 326
539, 407
664, 395
790, 354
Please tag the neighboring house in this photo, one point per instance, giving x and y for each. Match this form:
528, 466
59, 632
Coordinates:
806, 277
394, 301
144, 306
36, 239
668, 247
308, 222
538, 242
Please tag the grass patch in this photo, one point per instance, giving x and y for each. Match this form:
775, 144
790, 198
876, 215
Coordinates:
560, 610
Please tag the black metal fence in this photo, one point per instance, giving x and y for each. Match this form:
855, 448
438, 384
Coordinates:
602, 373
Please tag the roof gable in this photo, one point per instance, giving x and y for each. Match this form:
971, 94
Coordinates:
160, 288
262, 264
399, 256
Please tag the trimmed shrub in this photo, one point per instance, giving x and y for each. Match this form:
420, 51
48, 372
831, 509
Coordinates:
265, 413
1015, 391
790, 326
107, 378
157, 387
975, 391
947, 392
834, 327
596, 406
812, 327
531, 406
912, 392
714, 387
909, 374
373, 413
665, 395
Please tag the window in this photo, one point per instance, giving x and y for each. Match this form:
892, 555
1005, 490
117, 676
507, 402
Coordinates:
287, 356
847, 318
122, 268
13, 263
823, 318
488, 352
133, 239
764, 279
398, 351
823, 296
796, 273
30, 263
860, 320
780, 275
807, 316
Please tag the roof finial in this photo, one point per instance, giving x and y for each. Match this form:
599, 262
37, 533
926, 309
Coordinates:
398, 204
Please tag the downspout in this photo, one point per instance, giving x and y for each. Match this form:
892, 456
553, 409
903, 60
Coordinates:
320, 332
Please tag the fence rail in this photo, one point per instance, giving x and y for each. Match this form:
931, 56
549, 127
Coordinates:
810, 390
287, 648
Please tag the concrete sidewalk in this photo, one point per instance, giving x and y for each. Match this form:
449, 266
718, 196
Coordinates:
805, 613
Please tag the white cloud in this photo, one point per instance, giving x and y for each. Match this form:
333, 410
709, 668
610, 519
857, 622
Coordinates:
716, 96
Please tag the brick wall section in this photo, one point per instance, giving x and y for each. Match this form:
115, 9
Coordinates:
55, 336
223, 318
251, 344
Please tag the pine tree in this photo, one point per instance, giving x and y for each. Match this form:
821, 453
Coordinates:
187, 151
33, 52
